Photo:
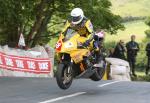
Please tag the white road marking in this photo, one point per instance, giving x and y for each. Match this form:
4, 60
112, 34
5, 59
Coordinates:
63, 97
102, 85
75, 94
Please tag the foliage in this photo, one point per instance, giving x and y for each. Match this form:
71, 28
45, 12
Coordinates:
131, 18
147, 32
147, 22
142, 78
38, 19
142, 58
15, 14
110, 44
101, 16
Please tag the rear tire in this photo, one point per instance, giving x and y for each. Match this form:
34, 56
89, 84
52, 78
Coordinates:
98, 75
64, 76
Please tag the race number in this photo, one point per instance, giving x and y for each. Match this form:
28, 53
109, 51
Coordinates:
58, 45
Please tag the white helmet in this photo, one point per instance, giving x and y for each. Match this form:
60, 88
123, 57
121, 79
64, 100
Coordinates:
77, 15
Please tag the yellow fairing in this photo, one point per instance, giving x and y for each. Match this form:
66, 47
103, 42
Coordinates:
71, 47
77, 56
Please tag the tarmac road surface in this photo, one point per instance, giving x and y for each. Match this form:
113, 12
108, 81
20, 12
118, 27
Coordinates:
45, 90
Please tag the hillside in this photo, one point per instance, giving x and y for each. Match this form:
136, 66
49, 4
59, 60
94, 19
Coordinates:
131, 7
136, 27
134, 8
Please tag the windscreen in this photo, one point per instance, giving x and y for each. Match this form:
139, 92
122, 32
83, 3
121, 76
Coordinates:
70, 33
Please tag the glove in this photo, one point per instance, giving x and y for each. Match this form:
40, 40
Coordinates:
85, 44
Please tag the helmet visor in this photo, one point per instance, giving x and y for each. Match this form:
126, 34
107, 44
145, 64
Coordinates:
76, 18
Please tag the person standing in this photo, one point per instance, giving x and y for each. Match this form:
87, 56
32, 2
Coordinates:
132, 49
120, 50
148, 55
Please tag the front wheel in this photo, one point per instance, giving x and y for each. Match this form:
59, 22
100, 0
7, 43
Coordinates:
64, 76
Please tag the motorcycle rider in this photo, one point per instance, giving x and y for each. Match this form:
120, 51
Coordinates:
81, 25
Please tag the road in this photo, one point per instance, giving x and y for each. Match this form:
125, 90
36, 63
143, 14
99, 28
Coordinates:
45, 90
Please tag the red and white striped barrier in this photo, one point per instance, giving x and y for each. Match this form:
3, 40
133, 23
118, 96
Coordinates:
23, 66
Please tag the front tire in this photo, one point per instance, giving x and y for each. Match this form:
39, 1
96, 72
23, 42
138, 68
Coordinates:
64, 76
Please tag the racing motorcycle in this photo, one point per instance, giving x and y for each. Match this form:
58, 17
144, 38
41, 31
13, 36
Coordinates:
71, 63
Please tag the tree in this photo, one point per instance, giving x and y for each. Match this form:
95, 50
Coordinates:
147, 22
16, 16
39, 19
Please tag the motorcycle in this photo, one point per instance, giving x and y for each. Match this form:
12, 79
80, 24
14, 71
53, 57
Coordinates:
72, 56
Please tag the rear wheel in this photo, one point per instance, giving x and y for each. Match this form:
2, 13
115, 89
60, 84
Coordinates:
99, 73
64, 76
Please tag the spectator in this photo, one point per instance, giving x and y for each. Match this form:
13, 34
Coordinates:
120, 50
132, 49
111, 52
148, 55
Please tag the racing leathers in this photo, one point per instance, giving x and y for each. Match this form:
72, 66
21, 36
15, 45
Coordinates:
84, 28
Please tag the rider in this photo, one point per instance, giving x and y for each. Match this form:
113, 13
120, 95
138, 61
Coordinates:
82, 25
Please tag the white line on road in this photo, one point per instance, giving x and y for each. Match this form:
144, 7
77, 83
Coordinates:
63, 97
102, 85
75, 94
